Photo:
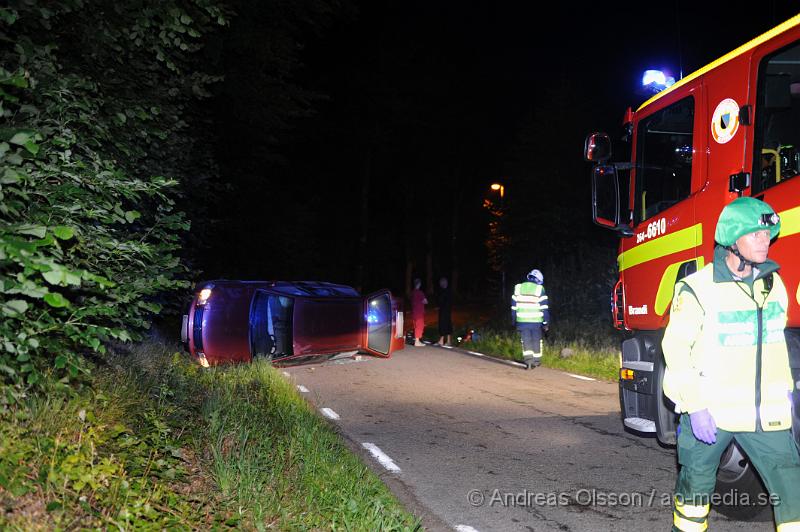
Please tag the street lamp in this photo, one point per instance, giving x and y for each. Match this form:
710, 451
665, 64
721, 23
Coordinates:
501, 188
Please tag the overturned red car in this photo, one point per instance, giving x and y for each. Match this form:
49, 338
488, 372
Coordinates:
281, 321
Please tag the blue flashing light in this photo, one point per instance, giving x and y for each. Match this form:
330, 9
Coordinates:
653, 76
656, 80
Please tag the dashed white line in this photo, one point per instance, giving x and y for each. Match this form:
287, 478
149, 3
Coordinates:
302, 388
381, 457
328, 413
465, 528
581, 377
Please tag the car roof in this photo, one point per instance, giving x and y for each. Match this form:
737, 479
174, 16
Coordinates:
291, 288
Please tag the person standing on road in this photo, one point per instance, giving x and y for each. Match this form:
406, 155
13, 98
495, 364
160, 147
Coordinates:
445, 312
531, 314
728, 368
418, 302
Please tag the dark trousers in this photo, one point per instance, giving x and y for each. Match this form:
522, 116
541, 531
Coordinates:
531, 334
774, 455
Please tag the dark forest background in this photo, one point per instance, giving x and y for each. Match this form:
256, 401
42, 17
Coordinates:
358, 140
148, 145
373, 165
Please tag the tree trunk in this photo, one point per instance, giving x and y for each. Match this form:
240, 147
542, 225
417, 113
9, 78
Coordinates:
366, 178
454, 265
428, 256
409, 235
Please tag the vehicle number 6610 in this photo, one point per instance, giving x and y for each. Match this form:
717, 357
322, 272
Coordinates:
657, 228
654, 229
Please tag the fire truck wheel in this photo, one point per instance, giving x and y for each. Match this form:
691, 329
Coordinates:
740, 494
665, 417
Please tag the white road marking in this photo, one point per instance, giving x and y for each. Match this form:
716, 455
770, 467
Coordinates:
302, 388
381, 457
447, 346
328, 413
286, 374
465, 528
521, 365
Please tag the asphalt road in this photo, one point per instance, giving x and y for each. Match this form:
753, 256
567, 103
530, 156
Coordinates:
472, 444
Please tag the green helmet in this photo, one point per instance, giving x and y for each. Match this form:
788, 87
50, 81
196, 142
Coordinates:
743, 216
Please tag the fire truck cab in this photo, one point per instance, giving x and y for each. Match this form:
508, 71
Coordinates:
732, 128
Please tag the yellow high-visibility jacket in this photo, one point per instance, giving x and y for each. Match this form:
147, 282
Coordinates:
530, 303
721, 356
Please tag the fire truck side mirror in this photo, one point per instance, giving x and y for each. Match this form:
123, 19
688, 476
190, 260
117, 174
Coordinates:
597, 148
605, 196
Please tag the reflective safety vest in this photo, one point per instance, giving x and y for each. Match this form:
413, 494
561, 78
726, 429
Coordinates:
725, 351
529, 302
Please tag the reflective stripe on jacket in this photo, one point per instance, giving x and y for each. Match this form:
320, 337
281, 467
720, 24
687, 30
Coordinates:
725, 350
530, 303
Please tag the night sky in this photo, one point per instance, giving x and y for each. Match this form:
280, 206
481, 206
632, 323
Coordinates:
414, 108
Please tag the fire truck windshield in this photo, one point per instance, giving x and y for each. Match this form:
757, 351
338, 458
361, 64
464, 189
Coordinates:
664, 159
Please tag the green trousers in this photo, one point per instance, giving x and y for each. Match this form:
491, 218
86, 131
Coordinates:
774, 455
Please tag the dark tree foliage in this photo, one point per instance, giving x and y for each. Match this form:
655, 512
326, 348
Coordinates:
548, 218
266, 222
391, 159
99, 99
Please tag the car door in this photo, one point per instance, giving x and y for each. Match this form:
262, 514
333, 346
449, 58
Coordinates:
380, 323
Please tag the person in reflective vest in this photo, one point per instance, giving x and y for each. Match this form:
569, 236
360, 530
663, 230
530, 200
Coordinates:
531, 315
728, 368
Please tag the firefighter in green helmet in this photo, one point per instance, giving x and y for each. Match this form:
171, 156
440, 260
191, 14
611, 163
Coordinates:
728, 368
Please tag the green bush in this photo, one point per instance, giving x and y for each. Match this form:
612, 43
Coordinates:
93, 98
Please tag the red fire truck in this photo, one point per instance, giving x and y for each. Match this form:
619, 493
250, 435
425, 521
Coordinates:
730, 129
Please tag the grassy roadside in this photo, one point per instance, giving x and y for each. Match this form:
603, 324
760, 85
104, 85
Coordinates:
581, 358
154, 442
570, 346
